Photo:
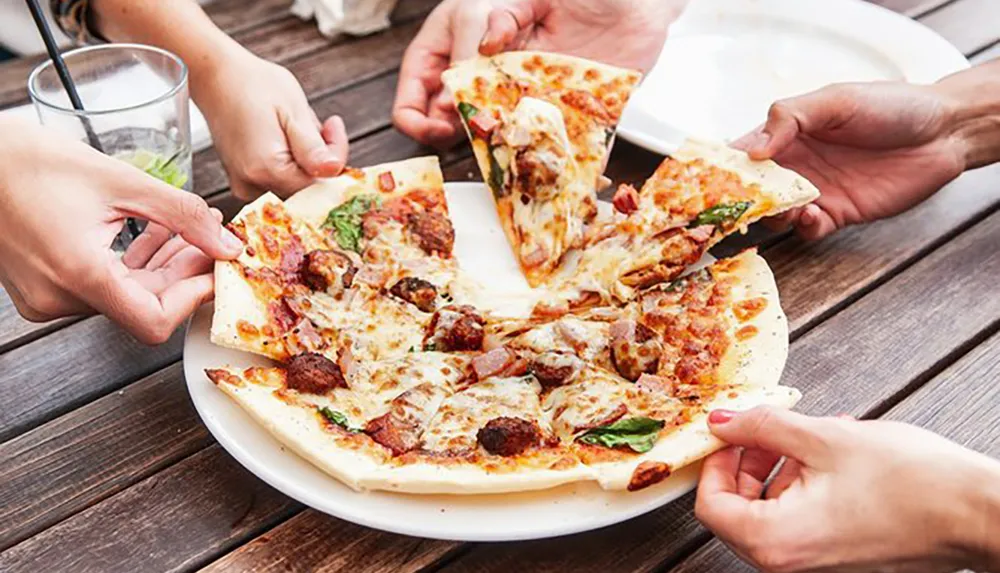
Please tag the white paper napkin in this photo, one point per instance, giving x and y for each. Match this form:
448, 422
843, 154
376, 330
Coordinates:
356, 17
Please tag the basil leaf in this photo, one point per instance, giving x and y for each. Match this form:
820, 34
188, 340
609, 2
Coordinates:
496, 175
721, 214
637, 433
467, 110
345, 220
337, 418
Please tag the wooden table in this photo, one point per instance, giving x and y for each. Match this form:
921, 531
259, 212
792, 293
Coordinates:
104, 465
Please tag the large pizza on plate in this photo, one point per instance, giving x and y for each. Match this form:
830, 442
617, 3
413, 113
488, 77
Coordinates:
394, 369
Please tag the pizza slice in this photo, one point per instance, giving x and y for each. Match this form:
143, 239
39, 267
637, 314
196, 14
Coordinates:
541, 126
354, 265
694, 199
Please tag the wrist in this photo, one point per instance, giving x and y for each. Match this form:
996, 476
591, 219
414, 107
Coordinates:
973, 98
974, 532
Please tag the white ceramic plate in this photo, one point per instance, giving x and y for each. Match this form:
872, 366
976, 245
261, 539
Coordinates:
482, 250
726, 61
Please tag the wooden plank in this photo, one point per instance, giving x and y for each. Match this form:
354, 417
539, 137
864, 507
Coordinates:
285, 39
172, 521
960, 404
312, 541
970, 25
95, 451
232, 16
912, 8
837, 368
71, 367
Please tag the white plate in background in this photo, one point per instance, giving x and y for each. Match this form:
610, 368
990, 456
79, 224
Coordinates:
726, 61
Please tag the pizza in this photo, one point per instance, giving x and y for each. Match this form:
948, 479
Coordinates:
392, 370
696, 198
541, 127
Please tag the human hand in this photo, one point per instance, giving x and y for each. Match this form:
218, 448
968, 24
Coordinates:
267, 135
850, 496
874, 150
627, 33
61, 206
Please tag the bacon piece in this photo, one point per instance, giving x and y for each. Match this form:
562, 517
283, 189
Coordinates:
482, 125
454, 328
386, 182
401, 427
702, 233
635, 349
654, 384
506, 436
536, 257
493, 362
417, 292
345, 359
303, 338
372, 275
626, 199
433, 231
313, 373
282, 315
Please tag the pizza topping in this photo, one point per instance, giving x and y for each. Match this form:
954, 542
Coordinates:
337, 418
626, 199
401, 428
282, 315
747, 309
327, 270
386, 182
493, 362
648, 473
455, 328
345, 220
635, 349
587, 104
303, 338
722, 215
482, 125
506, 436
537, 171
638, 434
433, 231
677, 249
417, 292
467, 111
746, 333
313, 373
554, 368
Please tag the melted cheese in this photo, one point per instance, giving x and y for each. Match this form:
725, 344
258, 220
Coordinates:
463, 414
593, 401
383, 381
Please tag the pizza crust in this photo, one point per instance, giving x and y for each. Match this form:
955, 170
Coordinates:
235, 301
785, 187
313, 203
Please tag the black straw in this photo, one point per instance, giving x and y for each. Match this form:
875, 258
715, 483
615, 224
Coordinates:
67, 81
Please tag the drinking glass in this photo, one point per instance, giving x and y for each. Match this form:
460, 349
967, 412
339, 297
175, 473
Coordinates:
135, 99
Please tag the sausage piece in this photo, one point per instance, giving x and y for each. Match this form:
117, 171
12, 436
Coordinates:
433, 231
417, 292
554, 368
327, 270
506, 436
635, 349
455, 328
313, 373
626, 199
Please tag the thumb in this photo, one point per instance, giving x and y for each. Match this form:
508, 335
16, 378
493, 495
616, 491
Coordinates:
182, 212
510, 21
821, 110
774, 430
310, 148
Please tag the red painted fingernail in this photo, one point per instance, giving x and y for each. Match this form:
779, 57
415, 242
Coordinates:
720, 416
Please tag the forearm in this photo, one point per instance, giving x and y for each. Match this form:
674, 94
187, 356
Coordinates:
974, 96
179, 26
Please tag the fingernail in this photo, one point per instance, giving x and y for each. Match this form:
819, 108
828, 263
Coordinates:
720, 416
231, 241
